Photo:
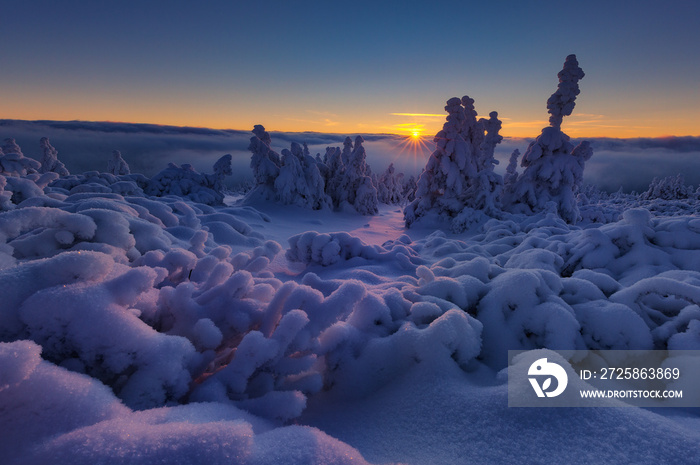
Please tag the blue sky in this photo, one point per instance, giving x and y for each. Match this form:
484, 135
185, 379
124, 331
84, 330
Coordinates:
350, 67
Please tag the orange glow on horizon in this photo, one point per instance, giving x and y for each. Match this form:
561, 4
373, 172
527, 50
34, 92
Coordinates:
417, 127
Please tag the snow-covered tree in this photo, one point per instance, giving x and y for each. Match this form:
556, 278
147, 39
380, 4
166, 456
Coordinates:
408, 191
356, 170
459, 173
117, 165
366, 197
49, 161
486, 187
347, 151
290, 184
300, 182
553, 166
222, 168
511, 170
265, 163
389, 186
668, 188
14, 163
10, 146
335, 172
316, 196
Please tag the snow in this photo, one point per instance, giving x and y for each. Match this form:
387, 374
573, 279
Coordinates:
156, 320
144, 329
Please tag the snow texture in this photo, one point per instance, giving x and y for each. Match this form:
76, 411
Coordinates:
148, 321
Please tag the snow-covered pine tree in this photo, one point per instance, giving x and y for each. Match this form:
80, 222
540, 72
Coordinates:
300, 181
117, 165
335, 169
290, 184
459, 174
222, 168
511, 170
49, 161
265, 163
366, 197
667, 188
317, 198
389, 187
347, 151
14, 163
553, 167
10, 146
353, 183
486, 187
408, 191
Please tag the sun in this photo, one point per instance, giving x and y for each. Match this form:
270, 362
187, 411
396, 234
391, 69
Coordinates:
415, 134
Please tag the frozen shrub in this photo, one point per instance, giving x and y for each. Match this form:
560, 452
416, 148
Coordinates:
49, 160
116, 165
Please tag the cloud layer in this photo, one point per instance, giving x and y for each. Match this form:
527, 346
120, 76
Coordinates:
82, 146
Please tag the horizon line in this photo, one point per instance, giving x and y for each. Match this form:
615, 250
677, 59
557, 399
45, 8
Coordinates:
224, 129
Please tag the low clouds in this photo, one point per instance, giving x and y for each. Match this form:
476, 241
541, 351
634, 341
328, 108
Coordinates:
629, 164
82, 146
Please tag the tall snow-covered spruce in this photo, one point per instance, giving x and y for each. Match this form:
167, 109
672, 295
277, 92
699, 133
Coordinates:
459, 176
553, 166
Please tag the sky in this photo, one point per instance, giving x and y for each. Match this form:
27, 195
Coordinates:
352, 67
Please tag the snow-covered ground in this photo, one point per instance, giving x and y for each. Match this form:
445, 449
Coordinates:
153, 320
161, 330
